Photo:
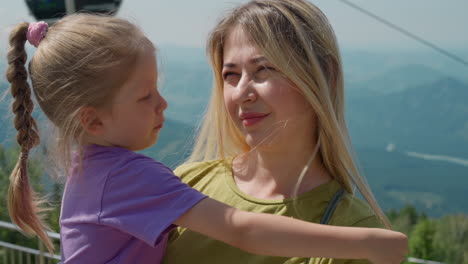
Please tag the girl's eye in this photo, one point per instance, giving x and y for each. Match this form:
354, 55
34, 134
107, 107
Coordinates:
145, 98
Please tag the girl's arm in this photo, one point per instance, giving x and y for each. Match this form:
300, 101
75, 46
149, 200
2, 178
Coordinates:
274, 235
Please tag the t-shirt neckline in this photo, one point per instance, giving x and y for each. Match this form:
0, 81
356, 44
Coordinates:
324, 190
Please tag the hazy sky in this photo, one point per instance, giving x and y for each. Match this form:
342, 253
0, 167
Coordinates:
187, 22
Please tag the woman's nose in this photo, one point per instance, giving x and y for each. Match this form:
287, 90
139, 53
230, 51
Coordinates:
245, 91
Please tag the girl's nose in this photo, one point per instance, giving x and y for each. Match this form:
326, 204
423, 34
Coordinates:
162, 104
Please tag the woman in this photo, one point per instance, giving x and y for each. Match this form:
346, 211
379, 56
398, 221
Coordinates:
274, 139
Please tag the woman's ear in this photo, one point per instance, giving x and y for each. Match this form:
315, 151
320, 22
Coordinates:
90, 121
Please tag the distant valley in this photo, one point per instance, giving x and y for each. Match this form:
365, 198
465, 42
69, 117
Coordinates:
391, 111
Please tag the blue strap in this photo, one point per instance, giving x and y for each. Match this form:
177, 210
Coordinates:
330, 210
331, 207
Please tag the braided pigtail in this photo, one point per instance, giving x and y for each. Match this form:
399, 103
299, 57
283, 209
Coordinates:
23, 204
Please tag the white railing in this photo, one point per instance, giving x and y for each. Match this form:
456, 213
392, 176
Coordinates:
18, 254
14, 254
423, 261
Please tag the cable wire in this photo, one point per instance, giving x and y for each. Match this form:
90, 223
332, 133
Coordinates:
407, 33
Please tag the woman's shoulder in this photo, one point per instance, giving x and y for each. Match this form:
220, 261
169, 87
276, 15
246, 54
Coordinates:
353, 211
195, 170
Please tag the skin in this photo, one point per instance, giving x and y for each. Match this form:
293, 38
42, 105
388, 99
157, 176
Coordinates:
259, 99
275, 119
136, 115
134, 121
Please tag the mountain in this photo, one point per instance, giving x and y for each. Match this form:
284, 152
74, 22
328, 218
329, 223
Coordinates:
6, 116
174, 138
412, 108
187, 77
174, 143
396, 80
187, 88
430, 118
363, 65
396, 179
185, 82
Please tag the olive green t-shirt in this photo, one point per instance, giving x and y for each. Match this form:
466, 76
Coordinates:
214, 178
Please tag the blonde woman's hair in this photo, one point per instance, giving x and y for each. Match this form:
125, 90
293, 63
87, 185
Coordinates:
297, 38
80, 63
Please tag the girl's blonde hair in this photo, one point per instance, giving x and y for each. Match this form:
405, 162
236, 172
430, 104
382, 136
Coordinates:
81, 62
297, 38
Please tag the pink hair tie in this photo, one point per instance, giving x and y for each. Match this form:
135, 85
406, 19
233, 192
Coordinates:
36, 32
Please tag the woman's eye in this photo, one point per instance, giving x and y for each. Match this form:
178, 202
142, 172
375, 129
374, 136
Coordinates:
263, 72
226, 75
266, 68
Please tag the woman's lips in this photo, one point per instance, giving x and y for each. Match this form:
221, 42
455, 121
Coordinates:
250, 119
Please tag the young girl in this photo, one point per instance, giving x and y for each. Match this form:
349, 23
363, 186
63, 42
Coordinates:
95, 79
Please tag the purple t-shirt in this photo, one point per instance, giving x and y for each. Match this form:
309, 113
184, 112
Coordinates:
119, 207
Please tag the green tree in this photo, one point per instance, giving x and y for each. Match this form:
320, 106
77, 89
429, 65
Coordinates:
404, 220
451, 238
8, 159
444, 239
421, 242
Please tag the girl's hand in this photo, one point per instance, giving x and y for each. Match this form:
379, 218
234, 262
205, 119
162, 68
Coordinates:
386, 246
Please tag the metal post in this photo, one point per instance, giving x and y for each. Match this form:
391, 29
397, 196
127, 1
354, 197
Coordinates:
20, 257
70, 6
12, 256
41, 252
28, 258
4, 256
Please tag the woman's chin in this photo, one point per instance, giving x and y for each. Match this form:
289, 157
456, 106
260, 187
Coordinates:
256, 142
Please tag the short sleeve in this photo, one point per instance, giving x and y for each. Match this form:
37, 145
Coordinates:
370, 221
191, 172
143, 198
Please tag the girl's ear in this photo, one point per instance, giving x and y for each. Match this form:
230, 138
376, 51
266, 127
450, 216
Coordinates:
90, 121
